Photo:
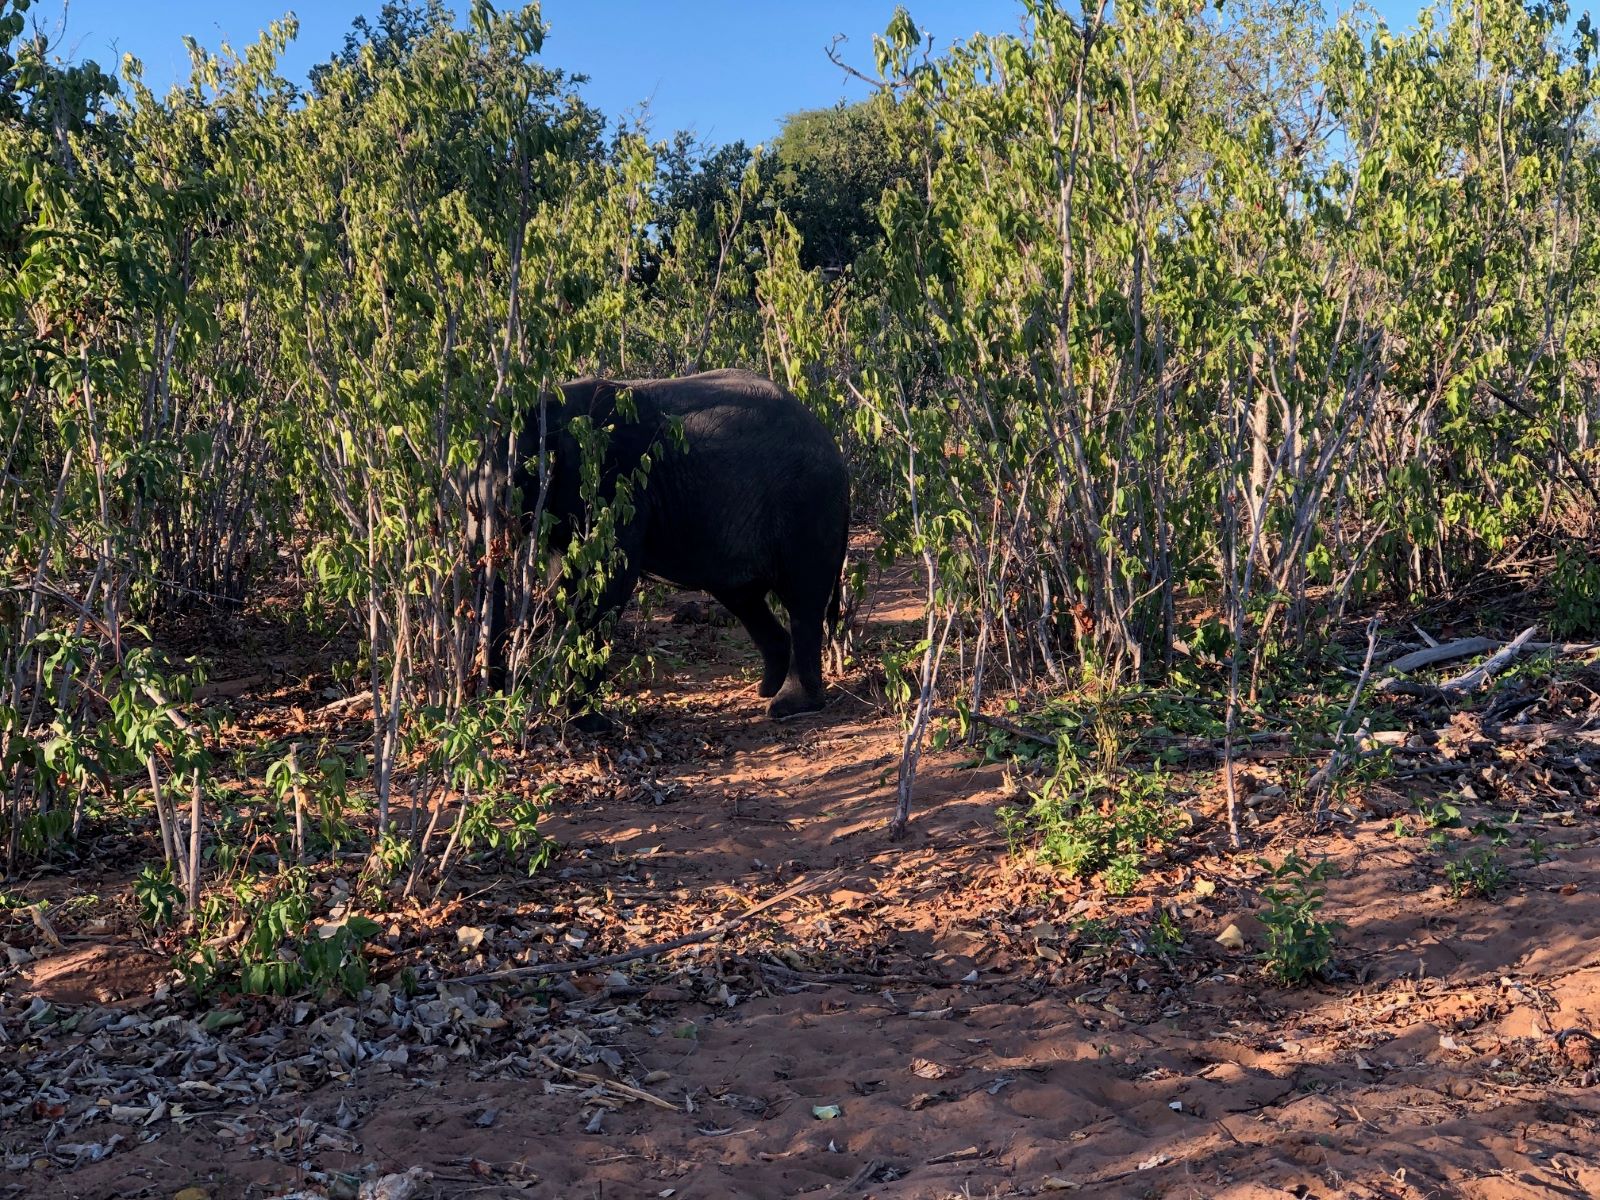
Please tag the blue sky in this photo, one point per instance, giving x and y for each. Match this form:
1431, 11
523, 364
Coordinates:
726, 69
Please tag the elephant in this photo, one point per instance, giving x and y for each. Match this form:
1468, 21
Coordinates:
747, 495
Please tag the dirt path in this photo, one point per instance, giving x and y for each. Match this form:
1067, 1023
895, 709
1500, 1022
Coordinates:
934, 1021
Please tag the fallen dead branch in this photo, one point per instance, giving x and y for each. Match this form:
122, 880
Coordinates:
1465, 648
862, 1178
623, 1089
1470, 681
872, 979
345, 704
1184, 744
1440, 652
1542, 731
655, 948
1000, 723
1534, 731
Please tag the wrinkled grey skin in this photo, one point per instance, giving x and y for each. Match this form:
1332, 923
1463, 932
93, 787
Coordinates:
756, 500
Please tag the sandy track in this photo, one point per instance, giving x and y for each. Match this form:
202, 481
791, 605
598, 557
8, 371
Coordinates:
1430, 1070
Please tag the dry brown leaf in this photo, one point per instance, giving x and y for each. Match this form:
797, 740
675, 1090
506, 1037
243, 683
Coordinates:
925, 1068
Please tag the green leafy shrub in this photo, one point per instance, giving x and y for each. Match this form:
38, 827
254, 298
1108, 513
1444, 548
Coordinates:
1082, 824
1300, 944
1575, 591
1477, 874
159, 899
284, 948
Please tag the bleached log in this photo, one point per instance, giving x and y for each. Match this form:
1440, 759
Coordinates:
1470, 681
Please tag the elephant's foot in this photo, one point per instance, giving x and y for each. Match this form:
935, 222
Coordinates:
772, 682
795, 703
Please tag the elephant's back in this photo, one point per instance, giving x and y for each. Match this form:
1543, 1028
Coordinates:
731, 400
738, 415
758, 492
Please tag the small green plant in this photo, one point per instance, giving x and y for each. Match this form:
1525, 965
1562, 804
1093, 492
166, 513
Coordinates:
1165, 937
1442, 815
158, 896
1496, 829
1093, 935
334, 958
392, 854
1084, 822
285, 949
1477, 874
1014, 827
1300, 943
1122, 873
518, 836
1538, 852
1361, 772
323, 785
1575, 591
40, 833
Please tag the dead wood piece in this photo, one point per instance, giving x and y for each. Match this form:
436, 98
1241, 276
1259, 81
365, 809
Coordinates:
656, 948
623, 1089
1464, 648
1436, 769
874, 979
1394, 739
862, 1178
1407, 687
343, 704
1438, 653
1470, 681
1000, 723
225, 689
1550, 731
962, 1155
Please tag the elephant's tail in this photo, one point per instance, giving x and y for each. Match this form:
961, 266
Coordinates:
836, 600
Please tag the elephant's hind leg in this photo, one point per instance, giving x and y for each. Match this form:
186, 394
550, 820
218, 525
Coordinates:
749, 604
802, 691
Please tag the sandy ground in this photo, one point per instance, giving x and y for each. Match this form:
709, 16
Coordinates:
947, 1003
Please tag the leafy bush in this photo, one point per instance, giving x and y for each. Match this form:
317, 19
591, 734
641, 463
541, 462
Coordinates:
1575, 590
159, 899
1165, 337
1300, 944
1478, 874
1082, 824
283, 949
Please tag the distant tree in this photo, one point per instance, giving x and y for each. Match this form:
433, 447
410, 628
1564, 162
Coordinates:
827, 171
694, 179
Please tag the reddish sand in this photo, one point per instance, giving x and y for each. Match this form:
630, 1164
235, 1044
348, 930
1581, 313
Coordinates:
1441, 1063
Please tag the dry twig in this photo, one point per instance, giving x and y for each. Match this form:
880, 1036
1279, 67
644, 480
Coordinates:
1322, 781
